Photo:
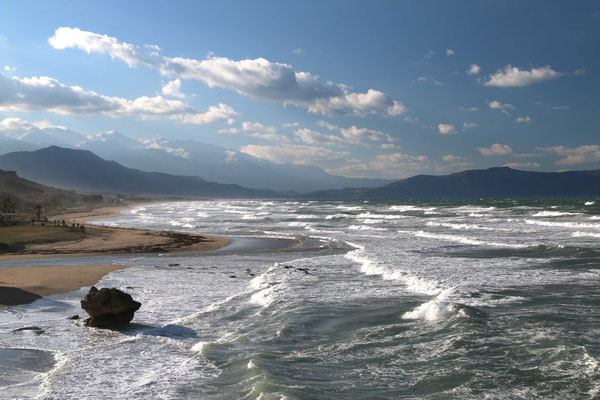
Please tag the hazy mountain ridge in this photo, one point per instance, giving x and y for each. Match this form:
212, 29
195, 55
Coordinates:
83, 170
184, 157
498, 182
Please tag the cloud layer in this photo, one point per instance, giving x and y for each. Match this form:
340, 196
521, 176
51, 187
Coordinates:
257, 78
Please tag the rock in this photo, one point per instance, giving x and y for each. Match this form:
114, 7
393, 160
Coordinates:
35, 329
74, 317
109, 308
173, 265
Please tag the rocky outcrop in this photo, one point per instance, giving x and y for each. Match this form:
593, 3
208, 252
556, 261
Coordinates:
109, 308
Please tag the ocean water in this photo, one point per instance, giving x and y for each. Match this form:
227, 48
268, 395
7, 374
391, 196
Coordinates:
349, 300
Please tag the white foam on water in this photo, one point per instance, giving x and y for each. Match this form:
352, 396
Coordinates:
589, 203
463, 239
365, 228
370, 215
433, 310
585, 234
553, 214
337, 216
462, 226
251, 365
573, 225
199, 347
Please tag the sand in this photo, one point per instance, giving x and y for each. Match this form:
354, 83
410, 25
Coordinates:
101, 240
27, 284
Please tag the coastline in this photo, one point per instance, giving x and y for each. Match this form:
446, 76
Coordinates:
102, 240
26, 284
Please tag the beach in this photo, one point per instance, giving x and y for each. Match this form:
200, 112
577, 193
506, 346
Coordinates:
26, 284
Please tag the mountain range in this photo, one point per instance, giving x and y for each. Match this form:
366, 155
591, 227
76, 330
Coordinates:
182, 157
84, 171
498, 182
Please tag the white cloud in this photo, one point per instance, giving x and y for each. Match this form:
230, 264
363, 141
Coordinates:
428, 79
220, 113
450, 52
522, 165
430, 54
173, 88
474, 69
391, 166
513, 76
496, 105
524, 119
9, 69
310, 136
561, 107
575, 155
257, 126
387, 146
452, 158
469, 125
298, 51
290, 125
495, 150
257, 78
579, 72
470, 109
229, 131
90, 42
355, 135
410, 120
270, 137
293, 153
447, 129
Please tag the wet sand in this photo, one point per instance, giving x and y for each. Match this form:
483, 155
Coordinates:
27, 284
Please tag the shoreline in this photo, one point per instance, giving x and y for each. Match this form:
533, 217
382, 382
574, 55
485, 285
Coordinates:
102, 240
26, 284
23, 285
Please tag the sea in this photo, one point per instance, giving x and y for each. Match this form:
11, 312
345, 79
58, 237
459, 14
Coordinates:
440, 299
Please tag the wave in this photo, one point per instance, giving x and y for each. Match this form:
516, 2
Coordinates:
436, 309
589, 203
463, 239
463, 226
585, 234
575, 225
370, 215
553, 214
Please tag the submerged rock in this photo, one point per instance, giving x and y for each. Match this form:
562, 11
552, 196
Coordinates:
109, 308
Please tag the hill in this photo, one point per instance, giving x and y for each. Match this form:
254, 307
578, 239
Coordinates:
26, 195
84, 171
497, 182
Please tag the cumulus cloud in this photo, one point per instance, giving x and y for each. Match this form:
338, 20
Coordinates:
496, 105
387, 146
173, 88
452, 158
290, 125
575, 155
90, 42
495, 150
355, 135
474, 69
220, 113
310, 136
293, 153
47, 94
524, 119
9, 69
513, 76
229, 131
298, 51
257, 78
447, 129
450, 52
257, 126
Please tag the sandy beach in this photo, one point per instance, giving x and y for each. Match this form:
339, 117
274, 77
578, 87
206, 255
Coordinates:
24, 285
101, 240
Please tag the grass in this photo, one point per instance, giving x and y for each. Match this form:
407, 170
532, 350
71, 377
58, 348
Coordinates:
14, 238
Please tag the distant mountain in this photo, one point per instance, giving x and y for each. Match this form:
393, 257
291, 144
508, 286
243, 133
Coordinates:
85, 171
494, 182
26, 195
185, 157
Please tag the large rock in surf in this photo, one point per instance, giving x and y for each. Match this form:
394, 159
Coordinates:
109, 308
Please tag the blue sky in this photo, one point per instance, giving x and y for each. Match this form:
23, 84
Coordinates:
367, 89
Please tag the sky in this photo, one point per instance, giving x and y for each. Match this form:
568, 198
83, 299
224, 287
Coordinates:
382, 89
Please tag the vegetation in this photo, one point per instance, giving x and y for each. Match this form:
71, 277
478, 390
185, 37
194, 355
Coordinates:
15, 238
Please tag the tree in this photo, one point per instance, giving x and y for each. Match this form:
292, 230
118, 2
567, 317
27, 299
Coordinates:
7, 205
38, 210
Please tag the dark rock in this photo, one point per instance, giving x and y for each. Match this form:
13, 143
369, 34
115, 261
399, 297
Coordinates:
173, 265
233, 276
35, 329
74, 317
109, 308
